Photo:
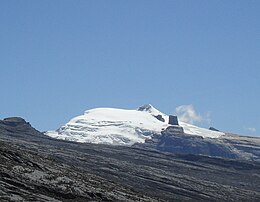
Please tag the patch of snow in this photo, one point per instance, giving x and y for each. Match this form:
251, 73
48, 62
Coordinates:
203, 132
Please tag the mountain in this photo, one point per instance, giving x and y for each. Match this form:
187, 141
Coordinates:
121, 126
147, 127
35, 167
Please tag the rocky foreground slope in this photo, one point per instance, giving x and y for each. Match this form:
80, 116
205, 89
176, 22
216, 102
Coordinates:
34, 167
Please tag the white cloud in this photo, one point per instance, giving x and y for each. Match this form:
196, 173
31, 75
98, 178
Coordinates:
188, 114
251, 129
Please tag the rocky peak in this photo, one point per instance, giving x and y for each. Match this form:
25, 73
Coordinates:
17, 127
14, 121
146, 107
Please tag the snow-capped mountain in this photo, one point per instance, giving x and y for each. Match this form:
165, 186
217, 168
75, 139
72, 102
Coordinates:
121, 126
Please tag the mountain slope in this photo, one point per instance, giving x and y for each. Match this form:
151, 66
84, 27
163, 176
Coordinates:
34, 167
121, 127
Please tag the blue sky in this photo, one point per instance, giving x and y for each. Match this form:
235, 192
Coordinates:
62, 57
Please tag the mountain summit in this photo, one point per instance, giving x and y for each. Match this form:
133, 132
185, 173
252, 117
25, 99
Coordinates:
150, 109
121, 126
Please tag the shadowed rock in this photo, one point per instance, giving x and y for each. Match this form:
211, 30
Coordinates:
160, 118
173, 120
14, 121
213, 129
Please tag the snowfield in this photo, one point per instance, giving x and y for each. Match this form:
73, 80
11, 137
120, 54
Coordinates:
120, 126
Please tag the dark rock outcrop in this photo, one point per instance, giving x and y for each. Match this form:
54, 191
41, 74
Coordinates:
146, 107
213, 129
173, 120
160, 118
14, 121
173, 130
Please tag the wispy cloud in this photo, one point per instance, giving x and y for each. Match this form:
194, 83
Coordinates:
188, 114
251, 129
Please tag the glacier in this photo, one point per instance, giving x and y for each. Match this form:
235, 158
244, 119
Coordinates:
121, 126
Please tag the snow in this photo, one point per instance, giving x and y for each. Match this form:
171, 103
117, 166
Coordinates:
203, 132
120, 126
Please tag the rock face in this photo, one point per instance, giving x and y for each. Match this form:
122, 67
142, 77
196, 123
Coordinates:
173, 130
173, 120
34, 167
14, 120
145, 107
18, 127
186, 144
174, 140
160, 118
212, 128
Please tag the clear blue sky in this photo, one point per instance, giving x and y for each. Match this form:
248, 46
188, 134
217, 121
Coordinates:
59, 58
